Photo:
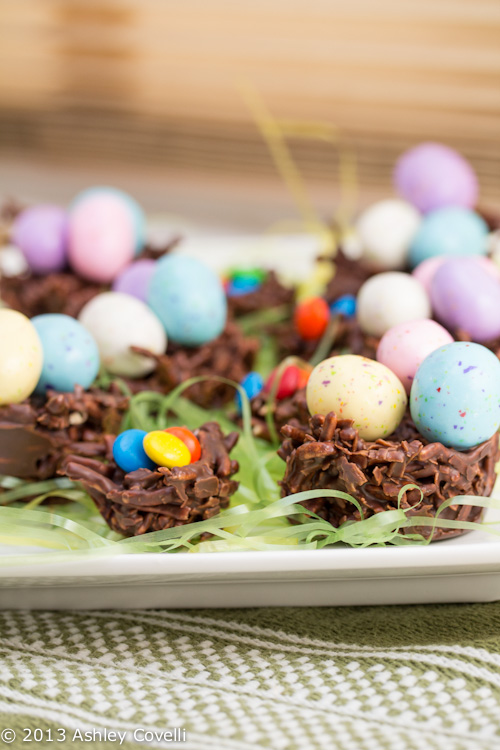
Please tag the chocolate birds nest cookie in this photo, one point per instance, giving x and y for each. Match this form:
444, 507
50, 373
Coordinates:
329, 454
145, 500
36, 434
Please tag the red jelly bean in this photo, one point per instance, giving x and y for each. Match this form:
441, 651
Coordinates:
288, 382
190, 440
311, 318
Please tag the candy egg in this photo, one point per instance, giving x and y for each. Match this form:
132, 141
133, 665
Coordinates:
135, 279
360, 389
455, 397
403, 348
465, 296
166, 449
189, 439
386, 230
101, 235
390, 298
118, 321
70, 353
426, 270
189, 299
21, 357
40, 232
291, 380
311, 318
135, 211
432, 176
449, 231
129, 453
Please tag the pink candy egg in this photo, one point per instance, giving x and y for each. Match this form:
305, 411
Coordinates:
403, 348
101, 236
426, 270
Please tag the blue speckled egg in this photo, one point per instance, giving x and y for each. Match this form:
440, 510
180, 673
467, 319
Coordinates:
70, 353
455, 396
189, 299
129, 453
449, 231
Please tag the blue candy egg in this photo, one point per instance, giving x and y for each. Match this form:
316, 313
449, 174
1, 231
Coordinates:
344, 305
449, 231
189, 299
70, 353
136, 212
455, 396
129, 453
240, 286
252, 384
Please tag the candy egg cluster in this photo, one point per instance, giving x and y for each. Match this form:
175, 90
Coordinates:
170, 448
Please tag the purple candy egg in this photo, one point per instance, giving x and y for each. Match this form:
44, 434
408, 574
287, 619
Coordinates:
433, 176
40, 232
465, 296
135, 278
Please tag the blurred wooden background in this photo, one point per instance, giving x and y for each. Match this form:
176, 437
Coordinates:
157, 83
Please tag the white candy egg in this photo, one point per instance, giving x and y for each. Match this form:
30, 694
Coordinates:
386, 230
390, 298
118, 321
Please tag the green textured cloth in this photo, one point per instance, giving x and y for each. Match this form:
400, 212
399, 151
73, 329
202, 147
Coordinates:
400, 678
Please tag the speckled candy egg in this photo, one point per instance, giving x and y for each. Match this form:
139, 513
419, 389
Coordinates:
40, 232
432, 176
426, 270
119, 321
449, 231
70, 353
21, 357
102, 234
403, 348
390, 298
386, 230
465, 296
360, 389
135, 279
455, 397
189, 299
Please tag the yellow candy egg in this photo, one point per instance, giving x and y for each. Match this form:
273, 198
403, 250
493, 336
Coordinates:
360, 389
166, 449
21, 357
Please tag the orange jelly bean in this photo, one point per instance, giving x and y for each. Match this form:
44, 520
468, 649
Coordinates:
189, 439
311, 318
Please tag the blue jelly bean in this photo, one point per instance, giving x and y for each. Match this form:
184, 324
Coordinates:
241, 285
129, 453
252, 384
344, 305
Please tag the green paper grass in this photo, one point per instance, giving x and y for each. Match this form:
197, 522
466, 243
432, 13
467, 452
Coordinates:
258, 518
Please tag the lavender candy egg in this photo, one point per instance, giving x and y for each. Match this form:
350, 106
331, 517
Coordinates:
465, 296
135, 279
40, 232
432, 176
455, 397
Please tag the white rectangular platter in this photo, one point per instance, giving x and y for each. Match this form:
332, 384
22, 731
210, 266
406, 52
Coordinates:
466, 569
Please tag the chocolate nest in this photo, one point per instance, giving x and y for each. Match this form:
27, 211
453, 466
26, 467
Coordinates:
37, 434
329, 454
145, 500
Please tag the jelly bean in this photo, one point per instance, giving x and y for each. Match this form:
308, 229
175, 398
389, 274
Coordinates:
303, 378
237, 287
129, 453
248, 274
189, 439
311, 318
291, 380
344, 305
252, 384
166, 449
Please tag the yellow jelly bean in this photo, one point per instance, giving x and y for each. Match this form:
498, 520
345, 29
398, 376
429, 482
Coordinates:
166, 449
